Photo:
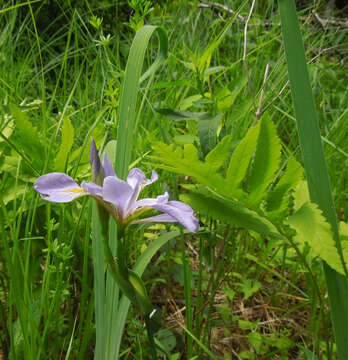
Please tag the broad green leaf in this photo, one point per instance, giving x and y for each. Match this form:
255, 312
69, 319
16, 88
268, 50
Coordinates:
241, 158
65, 146
227, 210
278, 198
207, 131
312, 228
266, 161
189, 101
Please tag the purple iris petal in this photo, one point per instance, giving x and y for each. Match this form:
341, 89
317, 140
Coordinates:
58, 187
118, 192
173, 211
137, 180
94, 160
107, 167
92, 189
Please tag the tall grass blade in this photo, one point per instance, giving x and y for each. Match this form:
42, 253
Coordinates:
314, 163
139, 268
110, 315
129, 95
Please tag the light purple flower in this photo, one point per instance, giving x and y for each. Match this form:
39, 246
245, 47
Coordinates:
59, 187
123, 195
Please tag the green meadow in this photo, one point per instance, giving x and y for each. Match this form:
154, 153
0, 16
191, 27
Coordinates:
232, 240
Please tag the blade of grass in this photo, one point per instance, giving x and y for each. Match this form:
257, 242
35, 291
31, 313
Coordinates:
130, 89
139, 268
109, 314
314, 162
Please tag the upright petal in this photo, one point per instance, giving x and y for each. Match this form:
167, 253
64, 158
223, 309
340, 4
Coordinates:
58, 187
107, 167
117, 192
137, 180
94, 160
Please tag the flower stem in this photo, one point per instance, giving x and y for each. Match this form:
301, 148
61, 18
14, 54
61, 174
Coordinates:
150, 335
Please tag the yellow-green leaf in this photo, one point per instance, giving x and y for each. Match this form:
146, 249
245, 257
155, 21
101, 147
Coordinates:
312, 228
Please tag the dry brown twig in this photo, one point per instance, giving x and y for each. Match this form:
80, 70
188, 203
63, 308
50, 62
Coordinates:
218, 6
323, 20
245, 55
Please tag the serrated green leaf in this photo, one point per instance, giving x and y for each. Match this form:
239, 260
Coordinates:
301, 195
23, 125
27, 137
65, 146
241, 157
266, 161
185, 162
278, 198
207, 131
217, 157
344, 240
227, 210
312, 228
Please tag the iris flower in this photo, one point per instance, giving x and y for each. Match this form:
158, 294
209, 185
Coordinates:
119, 197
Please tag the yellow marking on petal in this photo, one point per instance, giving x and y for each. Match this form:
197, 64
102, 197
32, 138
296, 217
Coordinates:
75, 190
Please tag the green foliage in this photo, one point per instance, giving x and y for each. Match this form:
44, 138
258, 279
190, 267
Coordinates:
312, 228
278, 198
207, 129
233, 212
28, 139
266, 162
241, 157
66, 59
65, 146
259, 151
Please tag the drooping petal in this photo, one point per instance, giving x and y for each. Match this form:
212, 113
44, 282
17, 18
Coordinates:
92, 189
173, 211
117, 192
58, 187
107, 167
94, 160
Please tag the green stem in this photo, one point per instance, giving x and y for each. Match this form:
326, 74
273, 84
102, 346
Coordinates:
188, 301
150, 335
